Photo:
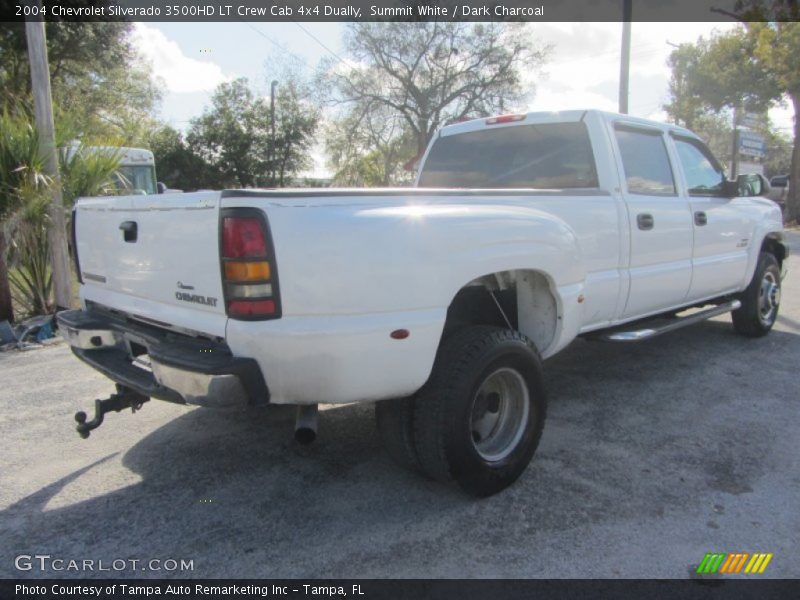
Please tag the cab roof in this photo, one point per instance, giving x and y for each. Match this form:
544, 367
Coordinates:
565, 116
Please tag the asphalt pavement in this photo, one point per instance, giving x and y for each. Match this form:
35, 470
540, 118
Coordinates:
653, 455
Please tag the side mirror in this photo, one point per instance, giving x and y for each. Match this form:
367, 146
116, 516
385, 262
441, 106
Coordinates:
161, 187
752, 184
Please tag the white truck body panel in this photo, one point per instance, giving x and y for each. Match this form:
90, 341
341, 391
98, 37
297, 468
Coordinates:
177, 242
355, 265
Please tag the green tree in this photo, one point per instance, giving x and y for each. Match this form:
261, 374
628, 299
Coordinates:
234, 138
778, 49
296, 121
686, 106
176, 165
369, 147
100, 84
779, 153
751, 68
434, 72
226, 135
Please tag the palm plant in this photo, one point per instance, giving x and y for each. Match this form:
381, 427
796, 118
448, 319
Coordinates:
21, 179
32, 279
87, 171
23, 208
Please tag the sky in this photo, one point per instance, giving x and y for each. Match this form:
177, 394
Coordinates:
582, 70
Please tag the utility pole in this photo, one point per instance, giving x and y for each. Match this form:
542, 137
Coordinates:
625, 60
43, 110
272, 132
735, 145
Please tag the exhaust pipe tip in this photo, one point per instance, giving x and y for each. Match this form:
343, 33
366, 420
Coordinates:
304, 435
305, 427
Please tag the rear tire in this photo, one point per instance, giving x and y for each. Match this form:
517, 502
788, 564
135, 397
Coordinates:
761, 299
479, 418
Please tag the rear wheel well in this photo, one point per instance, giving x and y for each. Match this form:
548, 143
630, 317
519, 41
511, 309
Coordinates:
480, 305
520, 300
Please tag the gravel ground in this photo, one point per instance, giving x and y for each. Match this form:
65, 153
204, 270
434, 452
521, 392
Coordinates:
653, 455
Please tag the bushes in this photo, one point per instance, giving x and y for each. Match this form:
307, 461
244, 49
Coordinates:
21, 179
31, 279
24, 199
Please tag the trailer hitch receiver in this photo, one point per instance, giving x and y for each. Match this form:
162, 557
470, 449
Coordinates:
124, 398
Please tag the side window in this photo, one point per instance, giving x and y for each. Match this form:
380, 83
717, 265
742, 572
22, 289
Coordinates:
645, 160
703, 174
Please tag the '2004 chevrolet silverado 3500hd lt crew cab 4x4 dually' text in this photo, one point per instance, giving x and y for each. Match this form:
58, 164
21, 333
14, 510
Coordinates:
440, 301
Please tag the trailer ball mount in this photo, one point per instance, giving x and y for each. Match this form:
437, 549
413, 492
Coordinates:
124, 398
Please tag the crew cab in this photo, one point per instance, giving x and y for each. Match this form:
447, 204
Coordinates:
437, 302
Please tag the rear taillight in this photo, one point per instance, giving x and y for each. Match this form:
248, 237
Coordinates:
243, 237
249, 275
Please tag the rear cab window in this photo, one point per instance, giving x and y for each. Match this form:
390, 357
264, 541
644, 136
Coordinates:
542, 156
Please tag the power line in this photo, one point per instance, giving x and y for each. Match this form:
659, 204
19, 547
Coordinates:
328, 50
265, 36
299, 57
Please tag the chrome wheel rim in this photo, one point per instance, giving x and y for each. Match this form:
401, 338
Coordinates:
499, 414
769, 298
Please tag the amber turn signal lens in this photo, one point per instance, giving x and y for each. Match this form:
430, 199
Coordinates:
247, 271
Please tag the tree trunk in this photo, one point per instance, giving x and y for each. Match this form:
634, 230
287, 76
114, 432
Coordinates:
6, 309
422, 137
422, 144
43, 111
793, 198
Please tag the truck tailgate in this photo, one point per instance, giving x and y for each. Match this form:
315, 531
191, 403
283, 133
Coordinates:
154, 257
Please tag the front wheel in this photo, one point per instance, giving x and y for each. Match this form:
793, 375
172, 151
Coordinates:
479, 418
761, 300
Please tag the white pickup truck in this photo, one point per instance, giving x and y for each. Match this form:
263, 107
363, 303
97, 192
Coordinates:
441, 301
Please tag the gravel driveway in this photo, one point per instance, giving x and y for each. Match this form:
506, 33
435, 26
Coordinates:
653, 455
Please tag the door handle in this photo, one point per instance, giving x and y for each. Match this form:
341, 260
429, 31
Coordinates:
130, 230
645, 221
700, 218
